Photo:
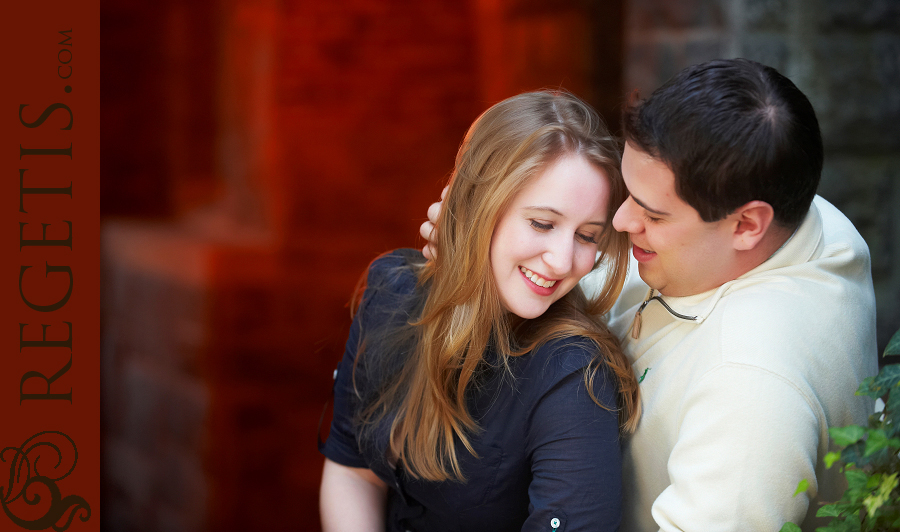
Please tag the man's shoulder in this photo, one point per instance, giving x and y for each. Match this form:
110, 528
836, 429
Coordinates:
822, 274
837, 228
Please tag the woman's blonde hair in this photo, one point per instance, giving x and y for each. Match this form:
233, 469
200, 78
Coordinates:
462, 317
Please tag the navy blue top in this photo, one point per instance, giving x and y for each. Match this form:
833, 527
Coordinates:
546, 451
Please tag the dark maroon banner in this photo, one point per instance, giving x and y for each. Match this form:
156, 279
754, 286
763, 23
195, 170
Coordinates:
50, 266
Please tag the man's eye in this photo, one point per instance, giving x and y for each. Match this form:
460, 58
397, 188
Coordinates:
542, 227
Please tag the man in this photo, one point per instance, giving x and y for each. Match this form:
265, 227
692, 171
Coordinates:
755, 320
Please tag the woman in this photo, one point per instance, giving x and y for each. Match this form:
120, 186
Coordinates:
480, 390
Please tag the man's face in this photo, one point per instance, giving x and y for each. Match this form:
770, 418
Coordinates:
677, 252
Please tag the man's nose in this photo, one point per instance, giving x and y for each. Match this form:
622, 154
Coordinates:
627, 219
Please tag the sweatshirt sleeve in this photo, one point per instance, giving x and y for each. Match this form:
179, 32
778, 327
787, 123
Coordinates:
746, 438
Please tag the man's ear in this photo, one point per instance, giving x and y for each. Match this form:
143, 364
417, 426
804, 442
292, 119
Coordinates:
752, 221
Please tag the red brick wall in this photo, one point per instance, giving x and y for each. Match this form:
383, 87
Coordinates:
333, 126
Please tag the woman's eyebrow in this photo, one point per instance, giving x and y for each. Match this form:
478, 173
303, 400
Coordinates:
543, 208
556, 212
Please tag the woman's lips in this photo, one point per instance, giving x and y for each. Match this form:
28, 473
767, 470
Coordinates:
528, 275
641, 254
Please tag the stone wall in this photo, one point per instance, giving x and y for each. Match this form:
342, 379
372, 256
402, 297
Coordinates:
845, 56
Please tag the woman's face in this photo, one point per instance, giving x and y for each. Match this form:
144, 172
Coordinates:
547, 240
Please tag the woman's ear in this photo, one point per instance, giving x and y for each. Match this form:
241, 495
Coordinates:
753, 221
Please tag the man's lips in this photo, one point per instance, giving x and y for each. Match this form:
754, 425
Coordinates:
641, 254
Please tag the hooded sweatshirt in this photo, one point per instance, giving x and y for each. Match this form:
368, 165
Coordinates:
740, 385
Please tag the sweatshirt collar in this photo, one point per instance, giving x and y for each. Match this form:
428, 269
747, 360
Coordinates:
803, 245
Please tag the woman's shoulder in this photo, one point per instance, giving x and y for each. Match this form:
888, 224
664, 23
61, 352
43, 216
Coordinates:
561, 356
562, 364
395, 270
392, 282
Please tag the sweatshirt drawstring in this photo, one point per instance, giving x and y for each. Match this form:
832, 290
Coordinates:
636, 325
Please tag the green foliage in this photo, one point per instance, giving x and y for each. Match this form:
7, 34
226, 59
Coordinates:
893, 347
803, 486
871, 458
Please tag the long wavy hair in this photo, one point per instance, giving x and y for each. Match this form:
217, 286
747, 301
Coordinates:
444, 343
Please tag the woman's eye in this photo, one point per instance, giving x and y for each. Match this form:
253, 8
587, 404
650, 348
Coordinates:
589, 239
541, 227
651, 219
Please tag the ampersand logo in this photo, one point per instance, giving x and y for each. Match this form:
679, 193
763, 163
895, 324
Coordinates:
32, 498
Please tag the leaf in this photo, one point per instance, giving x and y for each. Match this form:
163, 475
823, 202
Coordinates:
830, 510
838, 525
831, 458
876, 441
853, 454
852, 523
801, 487
880, 496
888, 377
893, 347
879, 385
892, 413
856, 479
848, 435
865, 388
790, 527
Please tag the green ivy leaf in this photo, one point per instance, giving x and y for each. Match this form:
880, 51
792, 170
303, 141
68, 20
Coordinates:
790, 527
882, 495
853, 454
839, 525
873, 481
853, 523
831, 458
848, 435
892, 413
893, 347
879, 385
801, 487
829, 510
888, 377
856, 479
876, 441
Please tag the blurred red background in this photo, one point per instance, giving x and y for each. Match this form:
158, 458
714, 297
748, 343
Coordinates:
256, 155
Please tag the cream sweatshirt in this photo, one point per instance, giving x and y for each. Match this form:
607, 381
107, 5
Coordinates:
738, 400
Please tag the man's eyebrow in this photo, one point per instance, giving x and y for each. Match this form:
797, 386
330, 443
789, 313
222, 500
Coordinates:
556, 212
645, 207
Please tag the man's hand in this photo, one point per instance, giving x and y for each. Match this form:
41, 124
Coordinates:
427, 228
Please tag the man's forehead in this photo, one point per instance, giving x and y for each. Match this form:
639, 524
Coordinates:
644, 176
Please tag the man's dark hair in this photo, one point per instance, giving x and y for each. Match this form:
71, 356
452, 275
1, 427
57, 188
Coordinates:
732, 131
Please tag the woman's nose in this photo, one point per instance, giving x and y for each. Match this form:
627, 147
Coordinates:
560, 255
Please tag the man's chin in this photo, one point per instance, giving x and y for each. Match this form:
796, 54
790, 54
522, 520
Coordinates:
648, 277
